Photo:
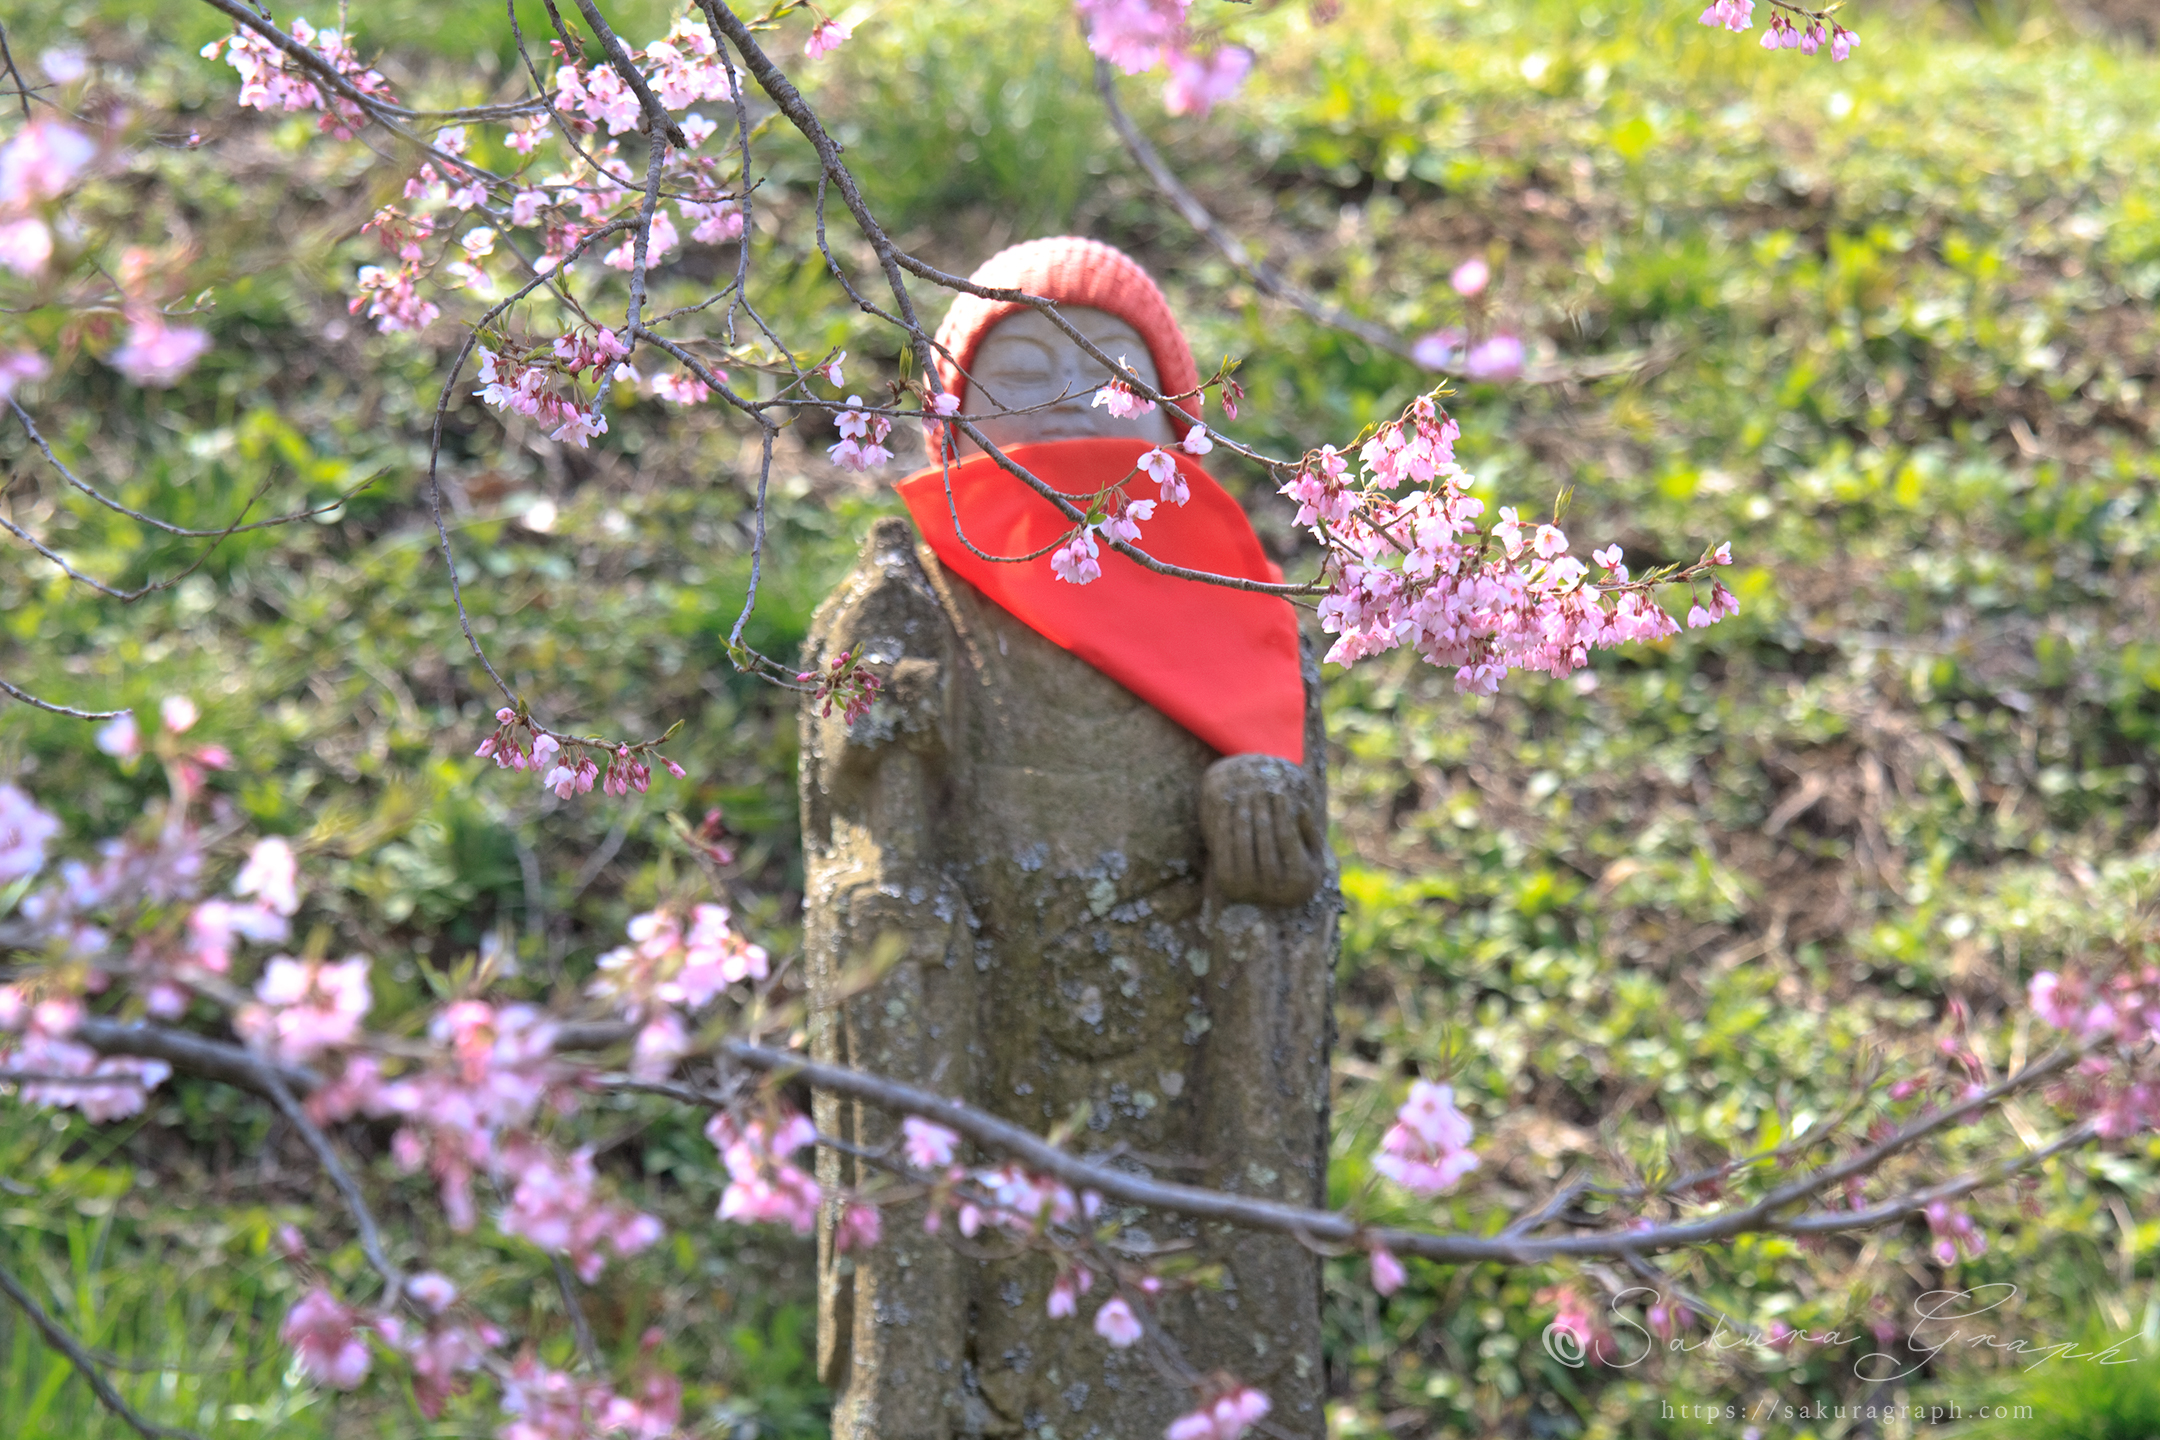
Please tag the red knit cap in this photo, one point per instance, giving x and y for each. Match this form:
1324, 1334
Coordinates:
1070, 270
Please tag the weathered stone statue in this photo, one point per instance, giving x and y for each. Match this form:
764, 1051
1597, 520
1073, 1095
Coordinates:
1071, 900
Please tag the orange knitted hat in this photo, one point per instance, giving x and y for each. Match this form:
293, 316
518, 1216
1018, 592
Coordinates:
1070, 270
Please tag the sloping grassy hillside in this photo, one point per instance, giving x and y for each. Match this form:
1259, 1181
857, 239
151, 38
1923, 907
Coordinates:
1888, 328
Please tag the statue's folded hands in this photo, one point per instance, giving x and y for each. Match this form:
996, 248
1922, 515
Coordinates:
1262, 830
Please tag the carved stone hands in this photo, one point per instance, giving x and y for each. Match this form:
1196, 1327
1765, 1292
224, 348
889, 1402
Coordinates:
1262, 830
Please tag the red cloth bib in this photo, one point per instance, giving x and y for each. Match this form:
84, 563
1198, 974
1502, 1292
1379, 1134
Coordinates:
1222, 663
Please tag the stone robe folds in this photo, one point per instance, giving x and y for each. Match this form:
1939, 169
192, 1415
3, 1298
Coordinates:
1011, 842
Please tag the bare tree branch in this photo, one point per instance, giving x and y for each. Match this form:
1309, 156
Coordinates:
68, 710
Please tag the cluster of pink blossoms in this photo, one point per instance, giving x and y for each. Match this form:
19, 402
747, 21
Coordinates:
572, 771
553, 1405
862, 437
1427, 1149
270, 80
2122, 1010
1414, 570
1138, 35
763, 1184
40, 164
664, 967
1738, 16
1225, 1417
1955, 1234
525, 385
306, 1007
556, 1205
34, 1040
1115, 514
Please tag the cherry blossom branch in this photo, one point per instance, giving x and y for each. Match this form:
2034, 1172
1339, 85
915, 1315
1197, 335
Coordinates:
1325, 1227
384, 111
58, 1337
1331, 1226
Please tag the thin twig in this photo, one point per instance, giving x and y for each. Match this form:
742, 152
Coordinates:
587, 1347
325, 1153
22, 87
185, 533
68, 1345
68, 710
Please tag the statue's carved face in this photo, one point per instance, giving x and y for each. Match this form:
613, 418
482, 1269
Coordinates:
1025, 362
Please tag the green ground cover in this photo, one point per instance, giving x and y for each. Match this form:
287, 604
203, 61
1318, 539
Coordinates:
1893, 325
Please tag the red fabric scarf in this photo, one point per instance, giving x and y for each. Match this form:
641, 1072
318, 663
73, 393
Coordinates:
1222, 663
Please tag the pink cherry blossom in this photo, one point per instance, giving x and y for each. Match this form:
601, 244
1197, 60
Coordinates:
26, 244
432, 1290
24, 829
1196, 442
41, 162
763, 1184
1387, 1271
858, 1228
556, 1205
1198, 83
1427, 1150
1116, 1323
155, 354
1734, 15
1471, 277
1498, 357
827, 38
119, 738
1225, 1418
1118, 398
927, 1146
17, 366
661, 1042
306, 1007
1159, 467
1442, 349
179, 714
326, 1336
272, 874
661, 238
1132, 34
1078, 560
1954, 1232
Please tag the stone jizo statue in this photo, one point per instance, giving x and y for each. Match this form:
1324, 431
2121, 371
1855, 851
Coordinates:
1071, 863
